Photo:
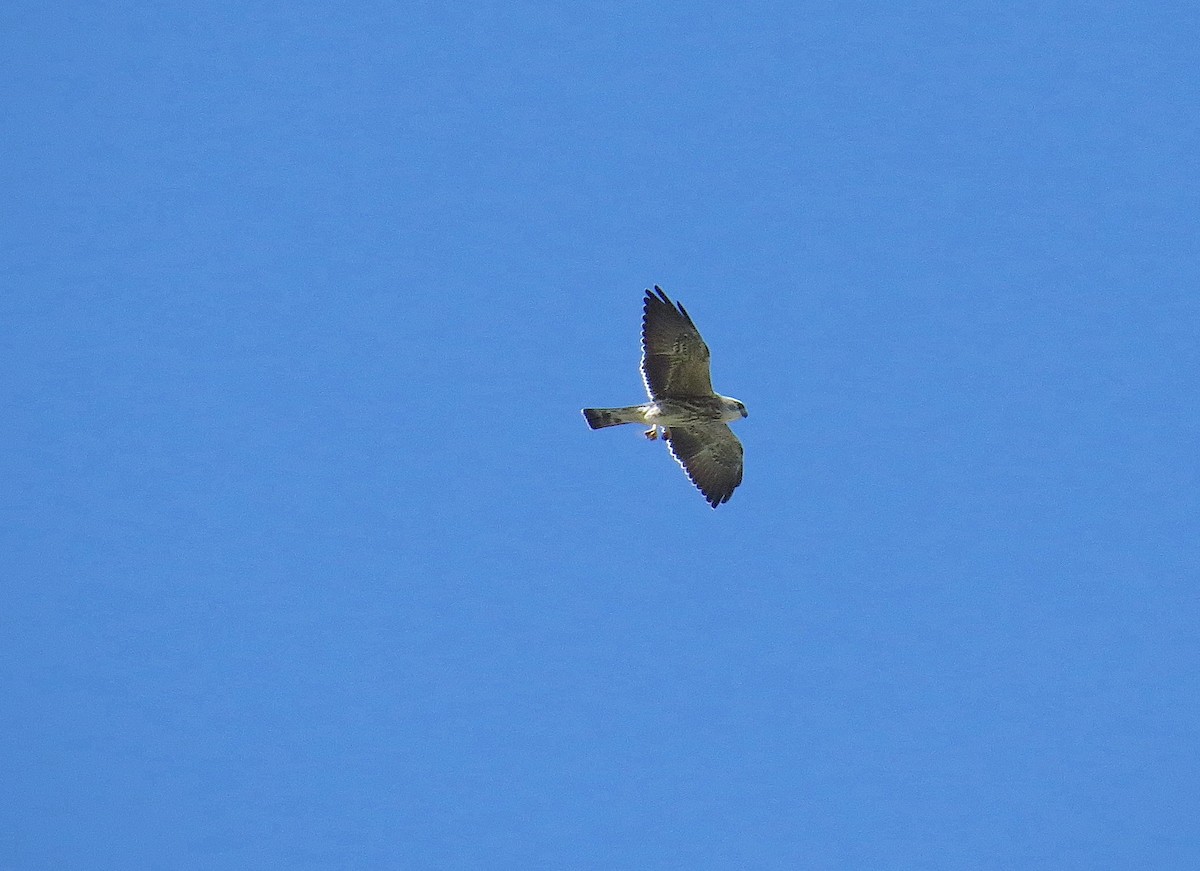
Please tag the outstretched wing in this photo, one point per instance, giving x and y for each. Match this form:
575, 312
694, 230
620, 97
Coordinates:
674, 357
712, 457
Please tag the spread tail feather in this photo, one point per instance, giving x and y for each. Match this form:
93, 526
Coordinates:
598, 418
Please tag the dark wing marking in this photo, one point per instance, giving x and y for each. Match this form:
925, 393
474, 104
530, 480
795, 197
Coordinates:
712, 457
674, 357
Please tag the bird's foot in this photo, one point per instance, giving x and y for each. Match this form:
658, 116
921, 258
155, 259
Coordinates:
651, 433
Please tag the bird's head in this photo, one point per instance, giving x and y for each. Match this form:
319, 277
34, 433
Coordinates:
734, 409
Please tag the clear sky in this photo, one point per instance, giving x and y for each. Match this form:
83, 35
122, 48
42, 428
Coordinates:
309, 560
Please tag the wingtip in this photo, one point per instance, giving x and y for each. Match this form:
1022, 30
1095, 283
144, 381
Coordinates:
657, 295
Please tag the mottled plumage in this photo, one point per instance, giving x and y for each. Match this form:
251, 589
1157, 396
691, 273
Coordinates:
694, 418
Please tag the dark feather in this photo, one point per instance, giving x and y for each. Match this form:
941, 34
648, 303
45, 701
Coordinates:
712, 457
674, 356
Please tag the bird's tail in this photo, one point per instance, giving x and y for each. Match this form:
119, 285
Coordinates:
598, 418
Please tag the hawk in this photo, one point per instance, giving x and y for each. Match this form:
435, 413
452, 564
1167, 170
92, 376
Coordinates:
693, 418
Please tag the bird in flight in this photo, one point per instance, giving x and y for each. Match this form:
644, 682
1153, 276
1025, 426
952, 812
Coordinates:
693, 418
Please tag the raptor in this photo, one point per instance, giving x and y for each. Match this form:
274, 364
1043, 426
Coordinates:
693, 418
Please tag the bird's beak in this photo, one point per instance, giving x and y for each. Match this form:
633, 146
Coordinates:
745, 413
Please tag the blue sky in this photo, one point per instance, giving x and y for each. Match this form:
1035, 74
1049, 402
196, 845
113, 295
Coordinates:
310, 561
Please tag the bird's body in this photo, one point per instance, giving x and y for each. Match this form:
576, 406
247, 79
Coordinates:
692, 416
669, 412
